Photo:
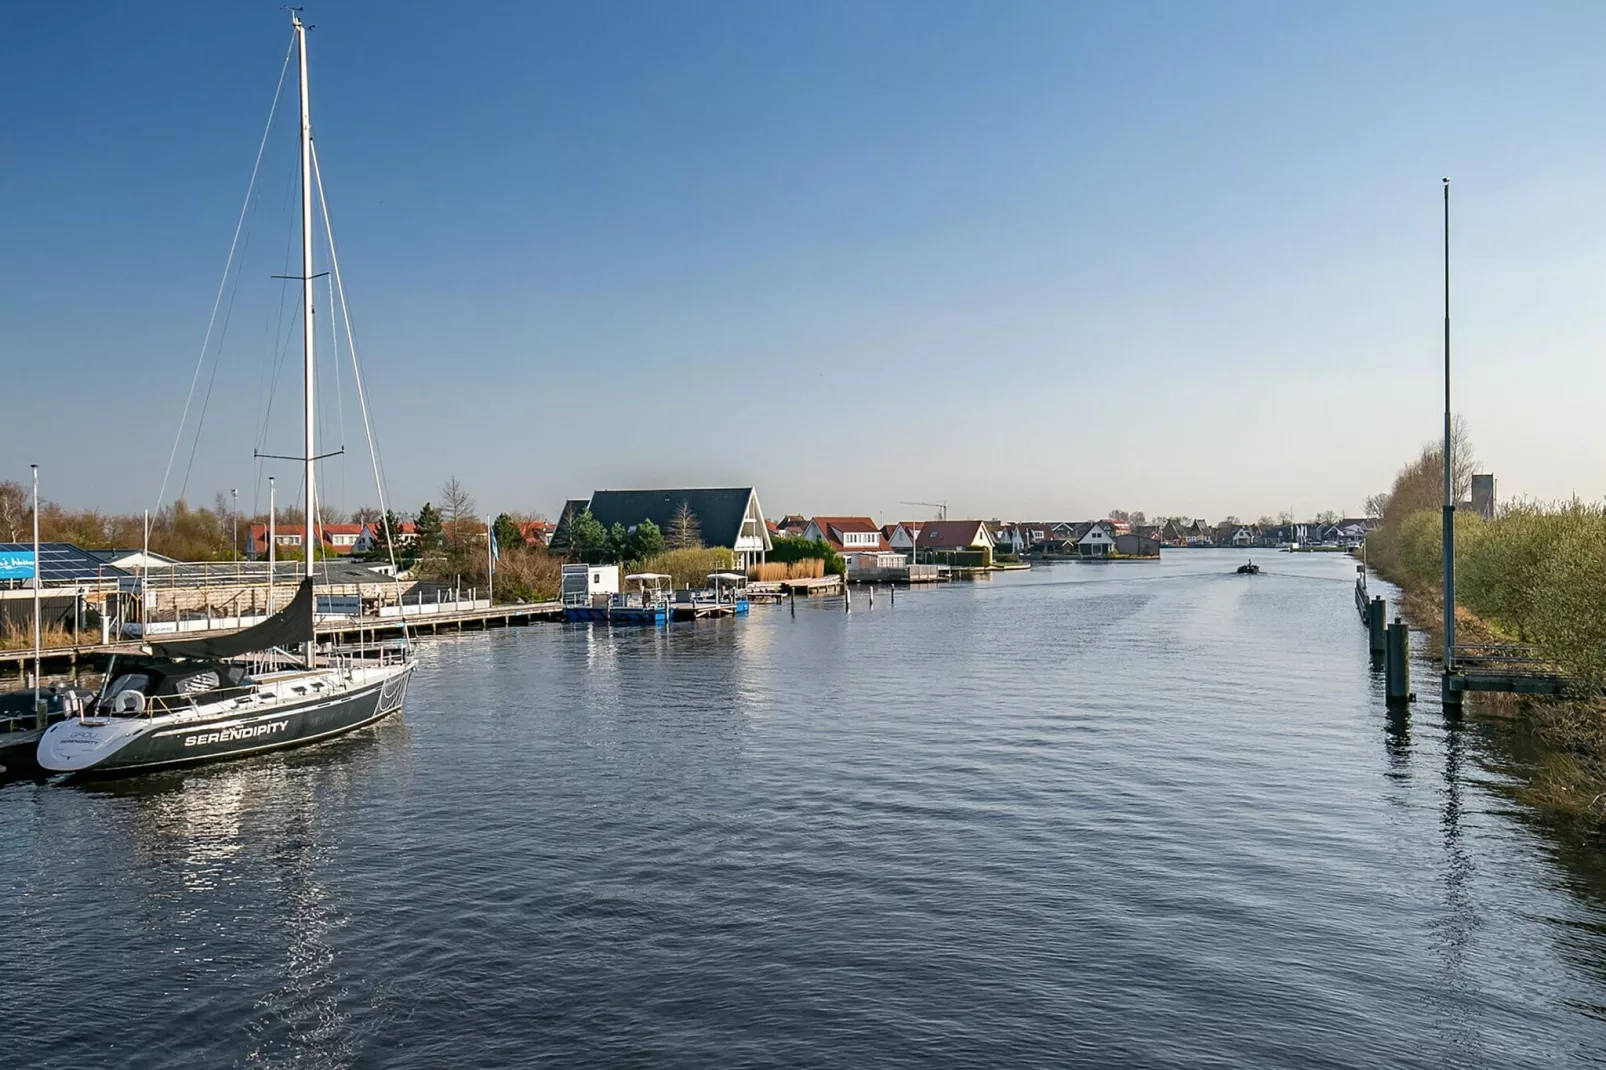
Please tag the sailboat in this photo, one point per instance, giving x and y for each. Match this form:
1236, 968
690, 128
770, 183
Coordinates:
242, 693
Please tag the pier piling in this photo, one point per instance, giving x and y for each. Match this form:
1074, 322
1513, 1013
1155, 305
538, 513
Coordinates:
1377, 624
1397, 662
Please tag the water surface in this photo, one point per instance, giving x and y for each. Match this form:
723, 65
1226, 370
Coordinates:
1151, 814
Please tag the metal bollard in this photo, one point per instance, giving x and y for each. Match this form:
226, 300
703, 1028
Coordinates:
1376, 624
1397, 663
872, 597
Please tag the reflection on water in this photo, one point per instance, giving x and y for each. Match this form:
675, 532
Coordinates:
1147, 815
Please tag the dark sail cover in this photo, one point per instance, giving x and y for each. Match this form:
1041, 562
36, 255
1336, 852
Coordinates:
287, 628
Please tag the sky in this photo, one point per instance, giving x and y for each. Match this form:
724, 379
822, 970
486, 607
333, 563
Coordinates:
1038, 259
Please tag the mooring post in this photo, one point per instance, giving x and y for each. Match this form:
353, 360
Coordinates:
1376, 623
1397, 662
892, 592
872, 596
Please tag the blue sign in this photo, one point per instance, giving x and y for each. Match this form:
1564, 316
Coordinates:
16, 564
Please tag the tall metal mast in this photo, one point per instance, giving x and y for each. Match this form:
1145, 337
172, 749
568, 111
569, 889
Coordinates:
1449, 488
309, 543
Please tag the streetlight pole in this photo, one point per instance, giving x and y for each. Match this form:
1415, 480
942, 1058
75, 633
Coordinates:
1449, 488
37, 578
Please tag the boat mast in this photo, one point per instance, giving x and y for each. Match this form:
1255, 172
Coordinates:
309, 542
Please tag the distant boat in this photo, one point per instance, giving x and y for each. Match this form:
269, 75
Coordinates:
1251, 569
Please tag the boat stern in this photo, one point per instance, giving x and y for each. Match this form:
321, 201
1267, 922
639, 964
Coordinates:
74, 745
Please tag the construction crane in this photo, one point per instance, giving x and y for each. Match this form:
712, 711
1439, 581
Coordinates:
941, 507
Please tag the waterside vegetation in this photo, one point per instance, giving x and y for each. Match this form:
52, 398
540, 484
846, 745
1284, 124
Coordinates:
1531, 573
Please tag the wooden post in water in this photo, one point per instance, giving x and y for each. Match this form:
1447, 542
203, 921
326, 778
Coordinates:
1376, 624
872, 596
1397, 663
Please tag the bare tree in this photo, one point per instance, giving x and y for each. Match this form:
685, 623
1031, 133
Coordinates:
457, 508
365, 515
1374, 504
14, 512
684, 532
1327, 518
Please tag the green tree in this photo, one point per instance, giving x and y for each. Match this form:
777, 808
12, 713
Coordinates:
646, 541
618, 542
428, 528
507, 532
586, 534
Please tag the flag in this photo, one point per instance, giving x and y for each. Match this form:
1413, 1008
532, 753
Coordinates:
496, 555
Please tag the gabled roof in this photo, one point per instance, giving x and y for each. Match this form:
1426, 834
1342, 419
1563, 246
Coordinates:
834, 527
953, 534
719, 510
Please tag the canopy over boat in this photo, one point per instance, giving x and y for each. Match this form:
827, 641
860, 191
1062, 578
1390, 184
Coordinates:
648, 576
289, 627
730, 576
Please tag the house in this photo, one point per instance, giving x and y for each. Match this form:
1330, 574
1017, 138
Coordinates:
903, 535
339, 539
873, 564
730, 517
1007, 538
560, 533
960, 542
1348, 533
128, 560
1098, 540
373, 536
844, 533
1235, 534
791, 524
1136, 544
534, 532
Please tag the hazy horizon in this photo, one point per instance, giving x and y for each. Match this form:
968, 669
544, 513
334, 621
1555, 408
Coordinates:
1039, 261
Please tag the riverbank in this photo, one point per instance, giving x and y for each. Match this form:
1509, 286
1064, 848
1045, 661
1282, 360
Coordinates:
1567, 779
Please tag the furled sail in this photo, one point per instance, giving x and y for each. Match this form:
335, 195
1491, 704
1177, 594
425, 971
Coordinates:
287, 628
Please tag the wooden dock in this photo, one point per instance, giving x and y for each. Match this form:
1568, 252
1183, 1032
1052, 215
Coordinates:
62, 661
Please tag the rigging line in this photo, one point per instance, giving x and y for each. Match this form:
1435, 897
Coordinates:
340, 403
281, 336
362, 397
256, 166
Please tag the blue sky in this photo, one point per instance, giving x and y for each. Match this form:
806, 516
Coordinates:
1039, 259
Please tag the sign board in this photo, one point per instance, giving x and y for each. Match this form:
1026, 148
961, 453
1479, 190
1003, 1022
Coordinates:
341, 605
16, 564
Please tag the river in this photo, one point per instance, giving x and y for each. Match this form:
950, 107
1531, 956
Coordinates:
1149, 814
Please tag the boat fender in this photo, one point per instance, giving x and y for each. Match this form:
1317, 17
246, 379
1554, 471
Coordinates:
129, 702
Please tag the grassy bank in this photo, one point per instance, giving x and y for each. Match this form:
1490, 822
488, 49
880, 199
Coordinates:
1533, 574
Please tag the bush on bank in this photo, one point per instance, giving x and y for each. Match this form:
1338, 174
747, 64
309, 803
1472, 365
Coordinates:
1538, 573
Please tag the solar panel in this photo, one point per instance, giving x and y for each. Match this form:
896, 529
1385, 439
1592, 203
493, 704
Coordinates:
62, 562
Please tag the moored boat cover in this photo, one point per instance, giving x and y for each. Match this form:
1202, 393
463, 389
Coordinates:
287, 628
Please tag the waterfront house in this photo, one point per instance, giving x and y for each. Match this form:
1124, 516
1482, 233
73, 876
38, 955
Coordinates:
1239, 535
956, 542
792, 524
903, 535
845, 533
1134, 544
1007, 538
1098, 540
730, 517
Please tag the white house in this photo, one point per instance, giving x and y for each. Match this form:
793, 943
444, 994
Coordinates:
903, 535
1097, 541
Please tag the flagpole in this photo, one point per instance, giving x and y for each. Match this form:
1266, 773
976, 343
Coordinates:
490, 560
36, 580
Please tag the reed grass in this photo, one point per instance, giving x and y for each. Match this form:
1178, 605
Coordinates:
809, 569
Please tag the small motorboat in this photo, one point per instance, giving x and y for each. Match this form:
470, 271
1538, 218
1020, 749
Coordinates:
1251, 569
